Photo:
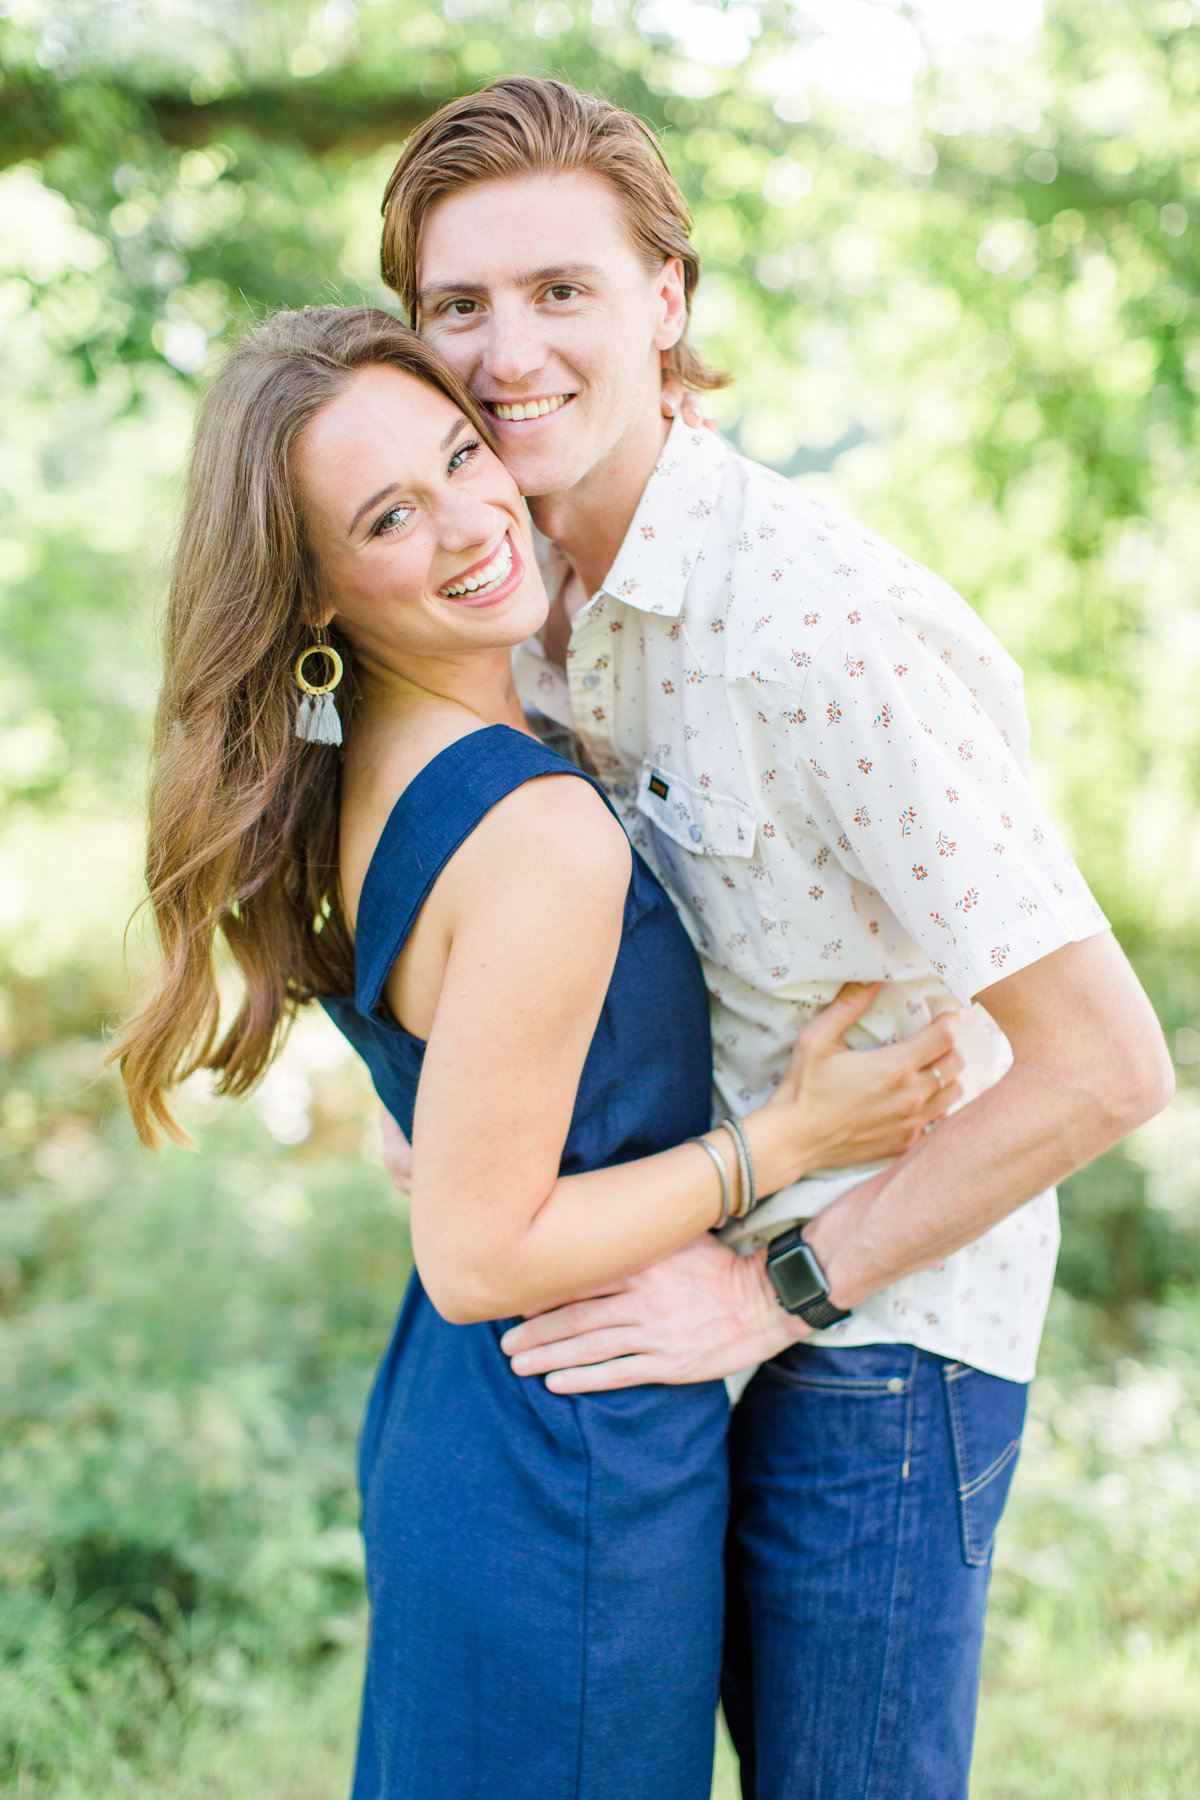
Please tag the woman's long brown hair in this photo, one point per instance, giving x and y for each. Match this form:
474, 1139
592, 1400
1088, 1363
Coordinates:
243, 833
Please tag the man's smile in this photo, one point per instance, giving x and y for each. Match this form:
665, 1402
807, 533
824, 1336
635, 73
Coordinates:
537, 407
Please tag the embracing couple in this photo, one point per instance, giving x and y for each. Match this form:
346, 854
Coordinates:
671, 794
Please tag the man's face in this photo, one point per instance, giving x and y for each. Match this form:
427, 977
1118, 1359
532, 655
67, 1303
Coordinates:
533, 292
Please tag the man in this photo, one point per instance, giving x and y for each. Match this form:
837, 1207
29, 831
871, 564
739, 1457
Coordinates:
823, 752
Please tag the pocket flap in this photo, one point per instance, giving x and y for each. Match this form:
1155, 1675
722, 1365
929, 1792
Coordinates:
694, 817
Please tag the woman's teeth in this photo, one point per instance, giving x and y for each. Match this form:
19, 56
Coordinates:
531, 409
488, 577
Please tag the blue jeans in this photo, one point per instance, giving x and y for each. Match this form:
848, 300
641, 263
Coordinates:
867, 1485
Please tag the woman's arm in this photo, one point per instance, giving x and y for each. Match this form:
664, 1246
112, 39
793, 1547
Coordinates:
533, 904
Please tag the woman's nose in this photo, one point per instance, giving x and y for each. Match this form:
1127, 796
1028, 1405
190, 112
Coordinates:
465, 523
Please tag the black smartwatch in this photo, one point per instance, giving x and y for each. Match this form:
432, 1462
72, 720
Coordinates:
799, 1280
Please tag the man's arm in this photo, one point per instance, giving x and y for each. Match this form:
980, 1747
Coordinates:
1089, 1066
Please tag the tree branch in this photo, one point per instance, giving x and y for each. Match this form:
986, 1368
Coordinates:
322, 115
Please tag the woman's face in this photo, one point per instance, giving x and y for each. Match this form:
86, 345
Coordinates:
421, 535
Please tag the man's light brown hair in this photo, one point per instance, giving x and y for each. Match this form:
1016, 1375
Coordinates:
530, 125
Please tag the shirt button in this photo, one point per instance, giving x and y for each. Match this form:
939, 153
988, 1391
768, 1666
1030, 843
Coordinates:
694, 833
591, 681
896, 1385
621, 791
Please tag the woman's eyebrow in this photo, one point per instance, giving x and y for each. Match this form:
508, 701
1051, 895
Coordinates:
393, 486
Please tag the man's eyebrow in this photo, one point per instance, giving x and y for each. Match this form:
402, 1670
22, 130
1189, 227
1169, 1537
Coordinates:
474, 290
393, 486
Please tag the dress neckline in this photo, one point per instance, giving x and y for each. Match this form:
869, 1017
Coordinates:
406, 792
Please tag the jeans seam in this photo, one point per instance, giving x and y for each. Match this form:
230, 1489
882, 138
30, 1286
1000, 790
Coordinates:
970, 1548
1010, 1450
887, 1702
830, 1384
865, 1390
975, 1553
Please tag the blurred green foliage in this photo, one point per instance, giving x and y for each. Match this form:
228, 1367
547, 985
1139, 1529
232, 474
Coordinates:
184, 1353
950, 258
976, 309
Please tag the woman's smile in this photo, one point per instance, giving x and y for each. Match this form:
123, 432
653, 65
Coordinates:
493, 578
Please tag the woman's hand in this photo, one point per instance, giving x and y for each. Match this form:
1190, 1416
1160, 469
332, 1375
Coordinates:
841, 1107
397, 1151
680, 402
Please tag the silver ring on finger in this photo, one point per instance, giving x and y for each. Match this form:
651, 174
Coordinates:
937, 1075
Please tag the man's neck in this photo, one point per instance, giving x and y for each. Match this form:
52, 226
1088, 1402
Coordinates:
588, 522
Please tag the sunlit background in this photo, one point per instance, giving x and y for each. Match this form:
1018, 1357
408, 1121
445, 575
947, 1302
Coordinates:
951, 259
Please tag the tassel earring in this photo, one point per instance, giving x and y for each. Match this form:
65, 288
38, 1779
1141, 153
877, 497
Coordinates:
317, 719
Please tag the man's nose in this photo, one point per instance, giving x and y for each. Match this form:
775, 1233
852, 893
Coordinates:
514, 349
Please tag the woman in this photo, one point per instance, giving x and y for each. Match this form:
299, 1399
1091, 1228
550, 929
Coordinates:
545, 1572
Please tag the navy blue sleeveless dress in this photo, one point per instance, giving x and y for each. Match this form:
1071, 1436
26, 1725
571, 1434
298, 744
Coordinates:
544, 1570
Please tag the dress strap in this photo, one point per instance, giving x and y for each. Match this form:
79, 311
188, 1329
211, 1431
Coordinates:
434, 816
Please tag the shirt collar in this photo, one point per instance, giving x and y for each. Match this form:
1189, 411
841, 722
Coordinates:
662, 545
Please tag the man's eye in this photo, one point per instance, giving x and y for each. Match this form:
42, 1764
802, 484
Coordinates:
562, 290
462, 309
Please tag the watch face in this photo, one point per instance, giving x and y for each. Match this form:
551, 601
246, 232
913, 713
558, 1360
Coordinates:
797, 1276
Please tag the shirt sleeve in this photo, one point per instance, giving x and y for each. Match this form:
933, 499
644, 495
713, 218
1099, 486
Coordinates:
919, 793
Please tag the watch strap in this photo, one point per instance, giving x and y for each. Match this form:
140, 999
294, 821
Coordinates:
821, 1312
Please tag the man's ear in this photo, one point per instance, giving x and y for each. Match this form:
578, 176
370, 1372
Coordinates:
673, 304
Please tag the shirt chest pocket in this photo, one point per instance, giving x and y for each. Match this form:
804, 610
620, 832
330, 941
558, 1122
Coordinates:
701, 844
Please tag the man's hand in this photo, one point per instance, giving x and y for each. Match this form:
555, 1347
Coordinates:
704, 1311
1089, 1064
697, 1315
680, 402
397, 1151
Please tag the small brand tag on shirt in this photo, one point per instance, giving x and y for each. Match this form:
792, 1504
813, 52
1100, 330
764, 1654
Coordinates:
658, 787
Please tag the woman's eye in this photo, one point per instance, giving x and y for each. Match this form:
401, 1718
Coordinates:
392, 520
462, 455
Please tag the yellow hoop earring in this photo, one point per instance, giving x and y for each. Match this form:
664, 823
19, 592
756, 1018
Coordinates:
317, 719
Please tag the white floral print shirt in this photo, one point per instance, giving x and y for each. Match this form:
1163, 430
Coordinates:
823, 753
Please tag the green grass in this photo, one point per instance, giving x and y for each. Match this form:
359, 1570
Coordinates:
185, 1345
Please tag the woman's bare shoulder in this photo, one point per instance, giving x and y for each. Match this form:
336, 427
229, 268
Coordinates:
552, 841
551, 835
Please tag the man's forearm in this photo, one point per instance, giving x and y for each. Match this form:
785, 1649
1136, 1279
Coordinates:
1077, 1086
964, 1177
1090, 1065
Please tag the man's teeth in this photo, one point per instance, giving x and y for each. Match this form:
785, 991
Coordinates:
490, 576
532, 409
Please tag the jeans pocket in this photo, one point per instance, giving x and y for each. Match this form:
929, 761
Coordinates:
986, 1416
863, 1371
